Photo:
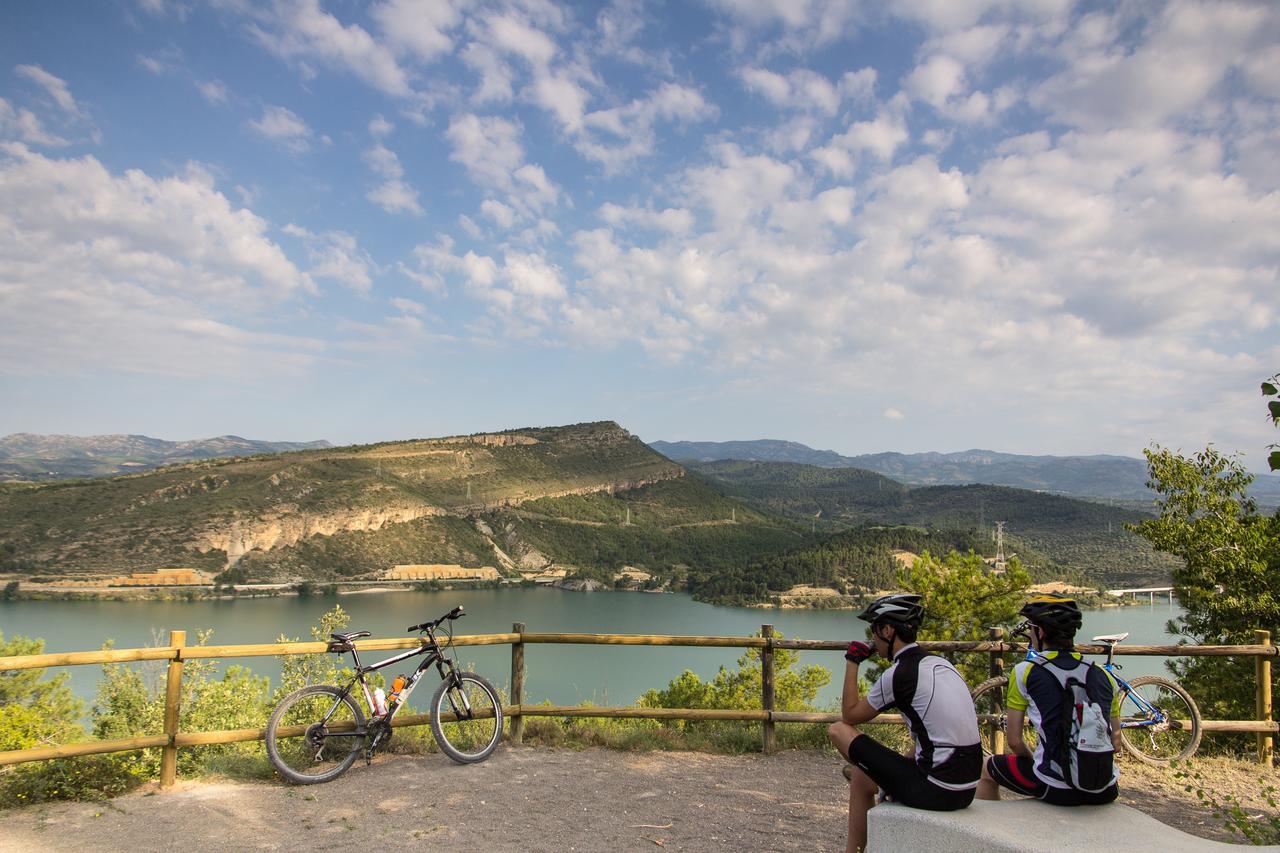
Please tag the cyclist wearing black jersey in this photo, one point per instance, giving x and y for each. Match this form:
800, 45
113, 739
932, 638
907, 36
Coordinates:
943, 772
1036, 695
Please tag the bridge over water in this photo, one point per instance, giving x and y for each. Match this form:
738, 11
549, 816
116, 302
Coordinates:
1149, 591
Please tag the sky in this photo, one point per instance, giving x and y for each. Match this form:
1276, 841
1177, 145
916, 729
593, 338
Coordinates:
1034, 226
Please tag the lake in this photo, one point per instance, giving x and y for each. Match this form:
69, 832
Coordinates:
565, 675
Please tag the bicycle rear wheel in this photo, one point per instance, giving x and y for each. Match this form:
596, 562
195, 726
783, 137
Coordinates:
466, 717
1169, 733
312, 735
993, 719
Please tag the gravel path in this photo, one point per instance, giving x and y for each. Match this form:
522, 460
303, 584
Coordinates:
521, 799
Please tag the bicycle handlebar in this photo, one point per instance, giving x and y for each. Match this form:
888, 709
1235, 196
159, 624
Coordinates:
455, 613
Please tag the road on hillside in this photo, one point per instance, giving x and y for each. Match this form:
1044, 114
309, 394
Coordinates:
521, 799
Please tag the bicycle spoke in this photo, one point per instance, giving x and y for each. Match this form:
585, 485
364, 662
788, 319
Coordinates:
467, 718
313, 735
1157, 721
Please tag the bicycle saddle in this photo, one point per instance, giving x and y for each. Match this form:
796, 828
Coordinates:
1111, 639
349, 636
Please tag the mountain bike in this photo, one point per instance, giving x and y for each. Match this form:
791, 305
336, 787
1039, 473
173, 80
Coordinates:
315, 734
1159, 721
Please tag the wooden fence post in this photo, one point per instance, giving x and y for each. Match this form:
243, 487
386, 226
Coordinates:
996, 670
1262, 665
517, 684
766, 688
172, 707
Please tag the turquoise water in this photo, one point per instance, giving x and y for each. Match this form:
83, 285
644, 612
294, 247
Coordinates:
605, 675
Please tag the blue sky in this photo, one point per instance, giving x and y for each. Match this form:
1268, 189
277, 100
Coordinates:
1030, 225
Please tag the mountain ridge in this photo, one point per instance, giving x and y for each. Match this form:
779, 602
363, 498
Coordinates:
1104, 476
33, 457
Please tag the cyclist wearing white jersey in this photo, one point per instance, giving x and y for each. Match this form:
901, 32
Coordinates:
942, 774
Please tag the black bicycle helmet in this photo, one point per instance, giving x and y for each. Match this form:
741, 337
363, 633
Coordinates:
1053, 612
902, 607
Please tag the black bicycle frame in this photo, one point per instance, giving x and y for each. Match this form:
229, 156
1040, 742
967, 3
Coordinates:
434, 655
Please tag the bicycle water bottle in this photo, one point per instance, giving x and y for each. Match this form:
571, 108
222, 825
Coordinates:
379, 701
396, 687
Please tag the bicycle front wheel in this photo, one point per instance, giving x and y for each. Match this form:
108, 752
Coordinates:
1159, 721
466, 717
315, 734
993, 718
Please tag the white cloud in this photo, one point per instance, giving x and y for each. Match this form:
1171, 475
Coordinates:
25, 126
808, 90
418, 27
133, 273
937, 80
511, 34
671, 220
881, 137
393, 195
502, 215
893, 414
805, 23
396, 196
619, 135
284, 126
490, 149
380, 128
1181, 56
302, 32
214, 91
407, 306
56, 88
335, 255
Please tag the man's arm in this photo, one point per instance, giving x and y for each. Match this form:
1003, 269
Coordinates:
854, 709
1013, 733
1115, 734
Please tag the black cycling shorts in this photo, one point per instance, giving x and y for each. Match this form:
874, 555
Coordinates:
1017, 773
902, 780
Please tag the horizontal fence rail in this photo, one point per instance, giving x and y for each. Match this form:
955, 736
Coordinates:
177, 652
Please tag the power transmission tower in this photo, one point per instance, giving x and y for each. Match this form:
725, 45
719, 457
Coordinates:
1000, 559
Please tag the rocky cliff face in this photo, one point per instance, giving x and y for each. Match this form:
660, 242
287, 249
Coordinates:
288, 528
287, 525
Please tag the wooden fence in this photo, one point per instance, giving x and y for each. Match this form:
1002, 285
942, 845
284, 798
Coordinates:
172, 738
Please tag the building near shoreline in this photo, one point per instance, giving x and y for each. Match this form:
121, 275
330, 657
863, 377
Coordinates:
436, 571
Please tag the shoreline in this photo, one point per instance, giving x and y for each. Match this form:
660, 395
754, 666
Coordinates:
338, 589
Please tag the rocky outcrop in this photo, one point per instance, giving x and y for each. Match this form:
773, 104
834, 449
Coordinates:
288, 528
580, 585
499, 440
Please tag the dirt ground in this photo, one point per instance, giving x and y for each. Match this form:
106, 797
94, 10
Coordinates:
537, 799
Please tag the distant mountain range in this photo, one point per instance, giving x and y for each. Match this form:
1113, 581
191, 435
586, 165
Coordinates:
591, 499
1109, 477
1055, 534
26, 456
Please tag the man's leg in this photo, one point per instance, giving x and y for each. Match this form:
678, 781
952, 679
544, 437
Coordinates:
862, 789
862, 798
988, 788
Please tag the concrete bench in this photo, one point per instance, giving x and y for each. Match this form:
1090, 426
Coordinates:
1030, 826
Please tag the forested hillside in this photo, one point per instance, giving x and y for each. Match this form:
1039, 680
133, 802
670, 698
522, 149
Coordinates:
1081, 538
853, 562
